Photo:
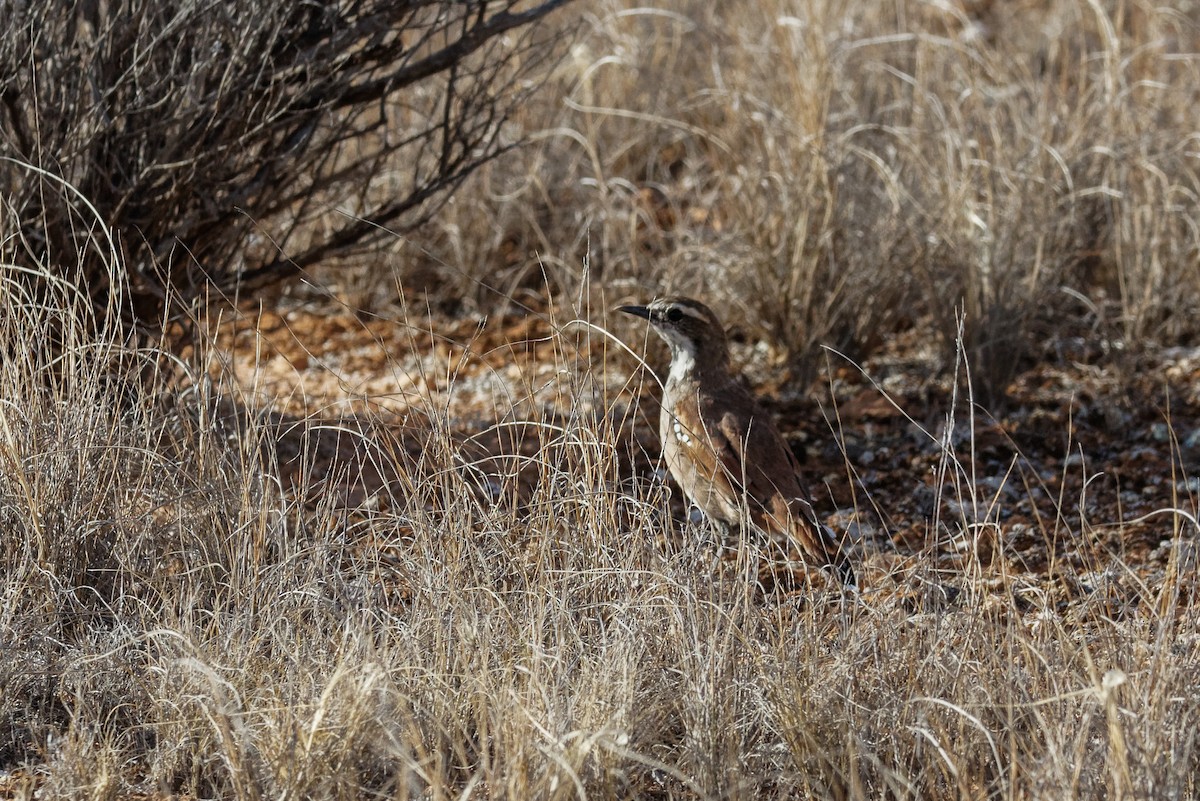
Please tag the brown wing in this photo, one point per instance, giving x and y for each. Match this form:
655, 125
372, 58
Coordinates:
778, 501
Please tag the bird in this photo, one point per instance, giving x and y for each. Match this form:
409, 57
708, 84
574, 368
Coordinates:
723, 449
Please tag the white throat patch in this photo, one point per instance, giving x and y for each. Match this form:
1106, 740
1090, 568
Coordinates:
683, 351
683, 357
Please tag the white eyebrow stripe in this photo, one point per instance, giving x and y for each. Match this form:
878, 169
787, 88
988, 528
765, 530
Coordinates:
687, 309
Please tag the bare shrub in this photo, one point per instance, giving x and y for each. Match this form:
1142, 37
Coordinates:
214, 138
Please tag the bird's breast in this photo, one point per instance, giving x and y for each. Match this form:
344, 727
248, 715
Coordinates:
695, 467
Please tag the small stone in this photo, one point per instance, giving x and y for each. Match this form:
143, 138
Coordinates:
1192, 485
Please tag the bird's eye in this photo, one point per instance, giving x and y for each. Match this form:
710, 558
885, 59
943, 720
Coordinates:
674, 314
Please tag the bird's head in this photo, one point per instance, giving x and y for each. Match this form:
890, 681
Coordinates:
689, 327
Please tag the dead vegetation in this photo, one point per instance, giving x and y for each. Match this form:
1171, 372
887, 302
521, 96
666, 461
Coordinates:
401, 533
217, 140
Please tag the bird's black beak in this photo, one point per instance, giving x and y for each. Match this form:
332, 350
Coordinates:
636, 311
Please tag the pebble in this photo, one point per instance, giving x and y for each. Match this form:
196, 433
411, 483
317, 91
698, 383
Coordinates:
1189, 486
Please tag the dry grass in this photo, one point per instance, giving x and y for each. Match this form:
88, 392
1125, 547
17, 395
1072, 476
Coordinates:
183, 617
176, 624
831, 172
